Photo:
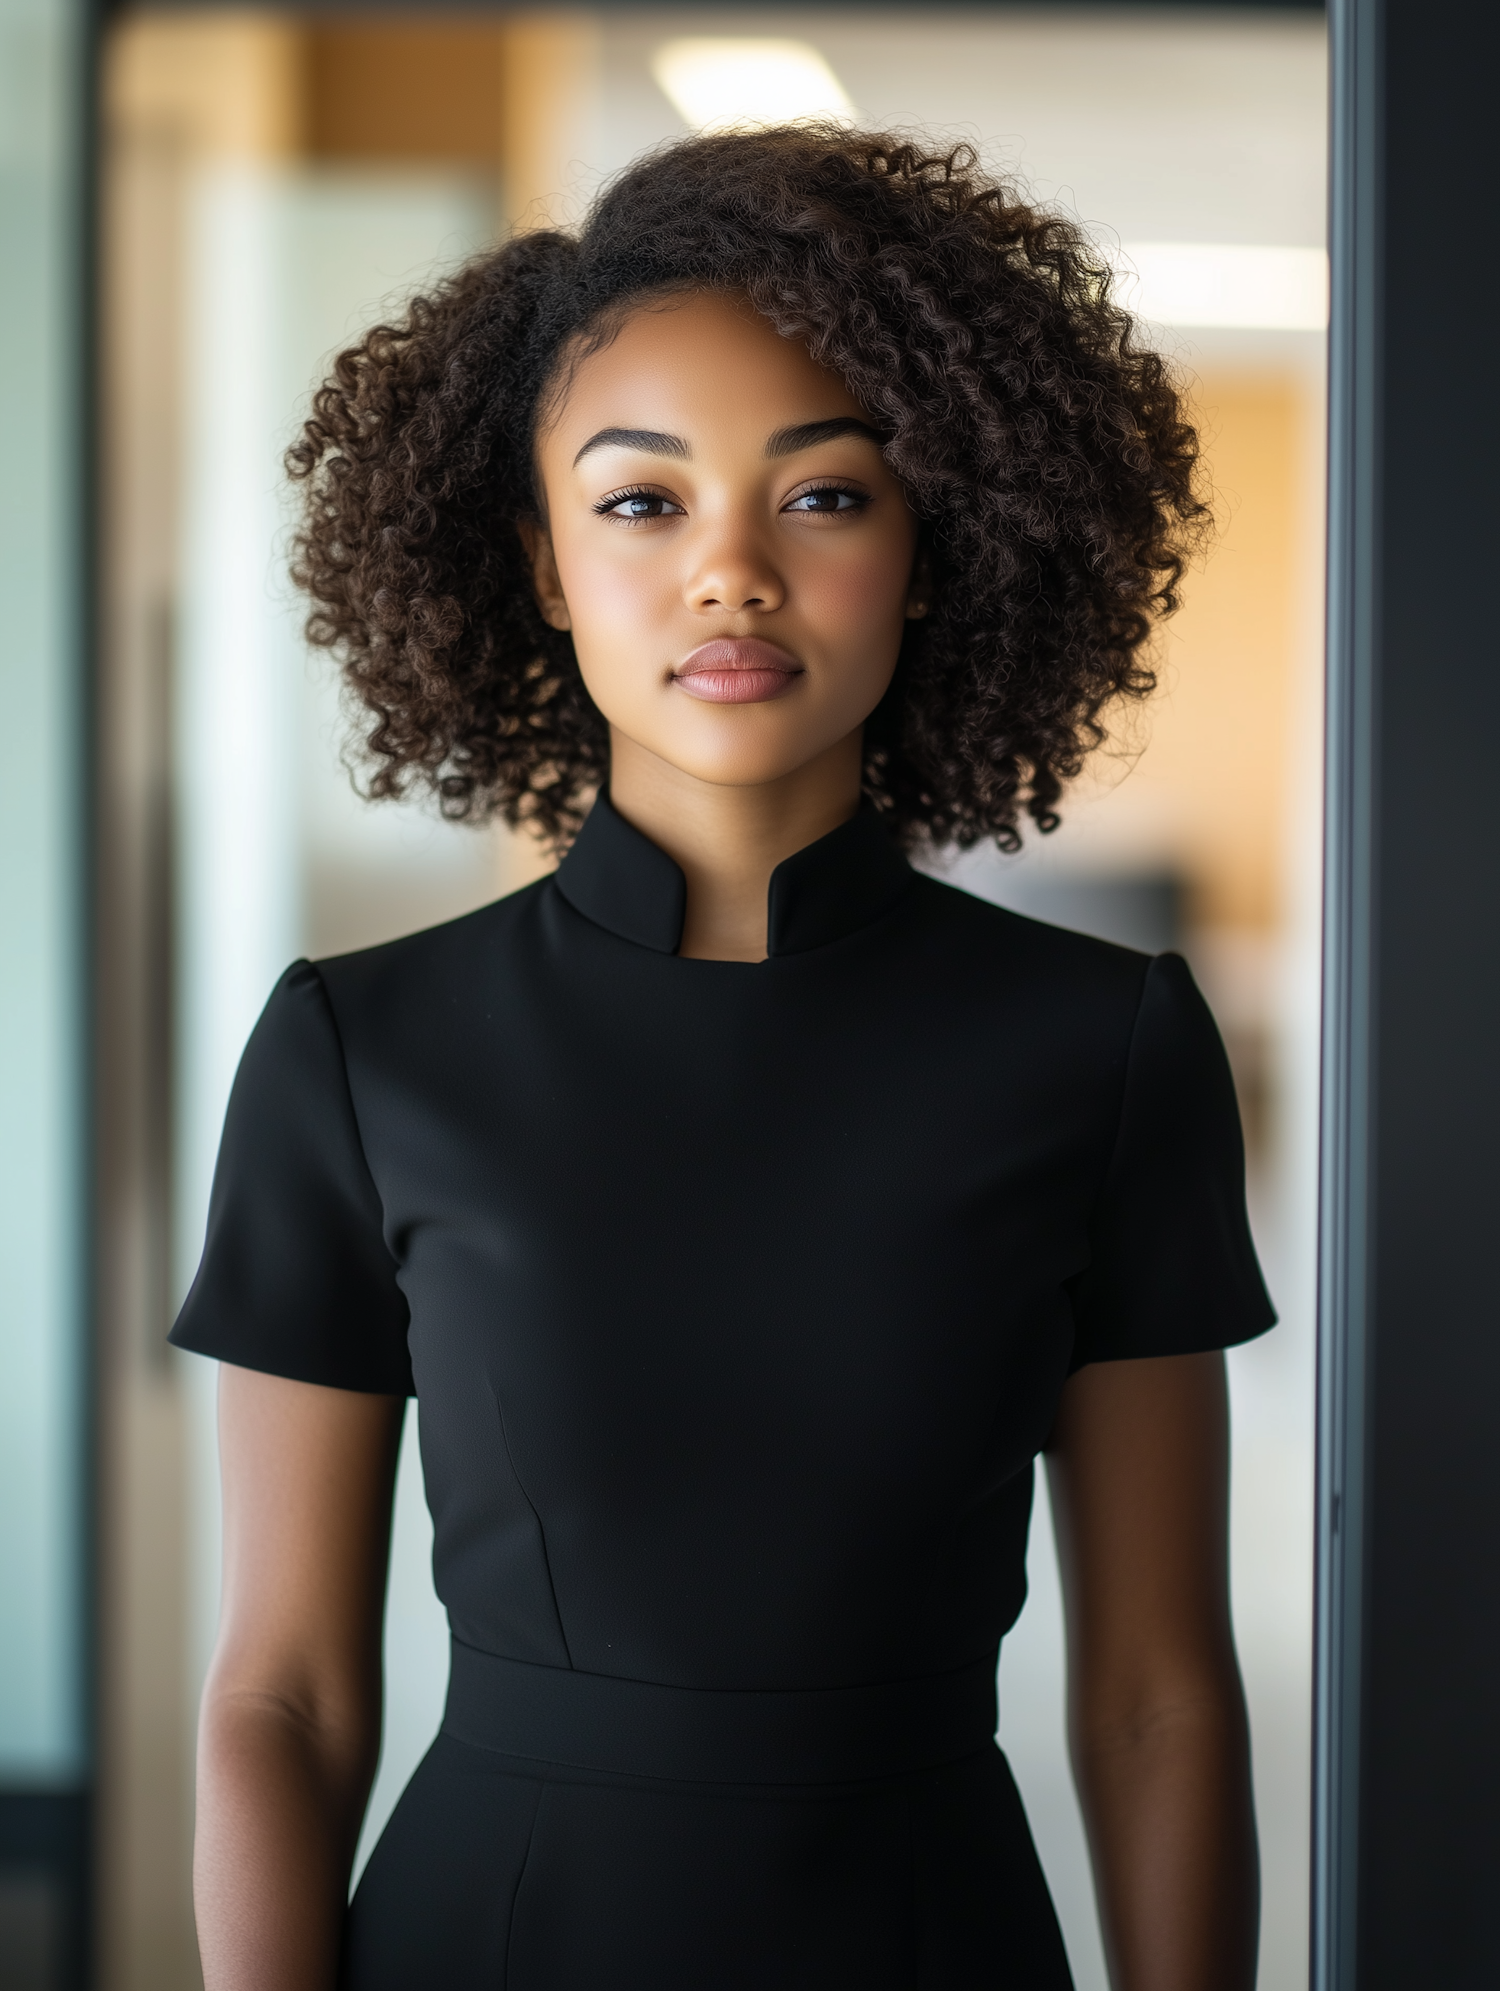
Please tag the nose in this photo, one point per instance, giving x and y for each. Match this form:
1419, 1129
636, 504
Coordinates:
734, 574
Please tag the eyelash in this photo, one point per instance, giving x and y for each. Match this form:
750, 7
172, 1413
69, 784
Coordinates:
861, 498
608, 505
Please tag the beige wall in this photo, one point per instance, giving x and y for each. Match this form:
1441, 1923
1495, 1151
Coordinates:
1203, 781
1198, 778
398, 90
1218, 735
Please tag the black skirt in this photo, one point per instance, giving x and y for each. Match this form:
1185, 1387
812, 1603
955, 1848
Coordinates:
502, 1873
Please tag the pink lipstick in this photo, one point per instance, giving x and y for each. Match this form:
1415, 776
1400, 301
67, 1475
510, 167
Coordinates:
737, 670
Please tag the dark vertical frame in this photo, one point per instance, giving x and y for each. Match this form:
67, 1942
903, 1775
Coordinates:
1408, 1735
1342, 1297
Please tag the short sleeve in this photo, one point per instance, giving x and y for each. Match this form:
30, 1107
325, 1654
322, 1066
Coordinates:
296, 1278
1173, 1270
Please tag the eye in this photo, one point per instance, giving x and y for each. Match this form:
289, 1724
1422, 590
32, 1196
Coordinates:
827, 499
636, 506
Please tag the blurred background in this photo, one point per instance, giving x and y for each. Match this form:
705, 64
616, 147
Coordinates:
177, 819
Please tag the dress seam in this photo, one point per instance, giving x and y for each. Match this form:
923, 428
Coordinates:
515, 1899
915, 1904
359, 1132
676, 1687
541, 1532
1114, 1147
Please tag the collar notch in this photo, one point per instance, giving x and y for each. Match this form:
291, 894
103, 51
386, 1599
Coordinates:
620, 880
835, 886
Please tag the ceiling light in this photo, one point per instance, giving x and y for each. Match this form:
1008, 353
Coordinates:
718, 81
1246, 286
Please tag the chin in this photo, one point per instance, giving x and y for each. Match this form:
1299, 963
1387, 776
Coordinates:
737, 747
740, 770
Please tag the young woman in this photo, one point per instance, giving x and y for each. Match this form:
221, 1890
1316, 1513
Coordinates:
745, 1210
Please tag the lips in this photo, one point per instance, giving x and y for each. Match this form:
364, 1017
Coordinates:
737, 670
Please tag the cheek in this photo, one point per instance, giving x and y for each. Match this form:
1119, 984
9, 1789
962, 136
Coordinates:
861, 587
614, 587
621, 604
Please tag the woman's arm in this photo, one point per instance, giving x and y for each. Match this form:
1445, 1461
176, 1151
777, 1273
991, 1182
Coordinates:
1139, 1470
290, 1727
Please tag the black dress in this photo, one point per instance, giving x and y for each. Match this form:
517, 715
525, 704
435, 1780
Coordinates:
736, 1300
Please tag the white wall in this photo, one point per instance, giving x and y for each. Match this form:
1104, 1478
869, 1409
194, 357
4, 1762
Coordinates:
279, 857
43, 1016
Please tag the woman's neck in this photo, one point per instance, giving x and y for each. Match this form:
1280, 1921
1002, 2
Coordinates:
728, 840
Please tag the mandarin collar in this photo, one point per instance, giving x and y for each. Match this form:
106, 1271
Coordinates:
623, 882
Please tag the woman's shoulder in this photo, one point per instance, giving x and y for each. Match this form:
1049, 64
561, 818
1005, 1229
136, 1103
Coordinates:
434, 957
1052, 961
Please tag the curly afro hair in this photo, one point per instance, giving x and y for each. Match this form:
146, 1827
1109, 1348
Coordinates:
1048, 457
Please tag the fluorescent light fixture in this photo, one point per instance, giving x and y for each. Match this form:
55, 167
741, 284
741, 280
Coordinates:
1246, 286
719, 81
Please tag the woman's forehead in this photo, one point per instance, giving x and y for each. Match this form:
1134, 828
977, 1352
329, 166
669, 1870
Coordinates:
707, 360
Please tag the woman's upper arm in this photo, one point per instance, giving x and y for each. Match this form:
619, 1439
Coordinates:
1139, 1468
308, 1474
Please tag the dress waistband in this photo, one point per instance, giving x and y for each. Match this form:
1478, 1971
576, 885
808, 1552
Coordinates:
593, 1721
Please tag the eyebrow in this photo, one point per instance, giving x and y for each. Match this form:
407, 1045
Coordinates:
785, 442
650, 441
806, 435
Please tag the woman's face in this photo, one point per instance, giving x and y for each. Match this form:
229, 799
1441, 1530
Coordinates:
725, 542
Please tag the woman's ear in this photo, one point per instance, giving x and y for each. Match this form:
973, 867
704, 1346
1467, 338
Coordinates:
919, 589
550, 598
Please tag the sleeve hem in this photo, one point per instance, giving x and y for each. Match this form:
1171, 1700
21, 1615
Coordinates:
239, 1359
1206, 1344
